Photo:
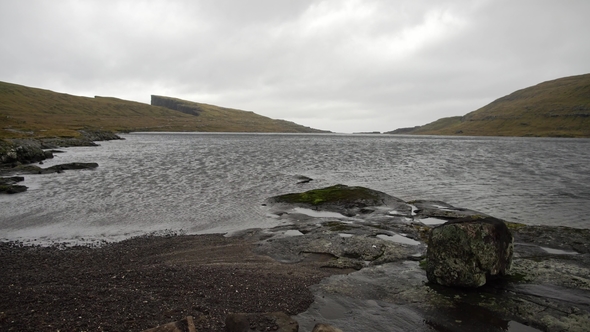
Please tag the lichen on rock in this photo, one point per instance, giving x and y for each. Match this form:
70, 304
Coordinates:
466, 252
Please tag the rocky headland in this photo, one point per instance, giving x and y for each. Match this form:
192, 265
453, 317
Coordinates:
17, 156
351, 257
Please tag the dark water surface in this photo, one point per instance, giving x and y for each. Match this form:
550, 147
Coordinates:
202, 183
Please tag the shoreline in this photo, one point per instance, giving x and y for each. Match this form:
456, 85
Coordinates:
144, 282
314, 270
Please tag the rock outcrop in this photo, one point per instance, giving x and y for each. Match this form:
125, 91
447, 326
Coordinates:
9, 185
342, 199
32, 169
26, 151
466, 252
22, 152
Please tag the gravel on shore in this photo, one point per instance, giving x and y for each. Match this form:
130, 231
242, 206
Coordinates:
145, 282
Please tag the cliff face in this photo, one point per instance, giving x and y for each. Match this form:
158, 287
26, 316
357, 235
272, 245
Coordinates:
214, 118
176, 104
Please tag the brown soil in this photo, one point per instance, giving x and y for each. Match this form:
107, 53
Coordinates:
144, 282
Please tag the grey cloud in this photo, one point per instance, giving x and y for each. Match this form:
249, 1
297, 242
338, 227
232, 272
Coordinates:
338, 65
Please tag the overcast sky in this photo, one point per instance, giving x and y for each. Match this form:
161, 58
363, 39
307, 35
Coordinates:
344, 66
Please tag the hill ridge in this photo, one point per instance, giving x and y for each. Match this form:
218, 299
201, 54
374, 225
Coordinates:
554, 108
28, 112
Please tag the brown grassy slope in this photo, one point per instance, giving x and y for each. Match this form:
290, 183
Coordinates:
32, 112
558, 108
216, 118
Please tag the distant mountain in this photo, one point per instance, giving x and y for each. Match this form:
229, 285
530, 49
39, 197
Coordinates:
31, 112
558, 108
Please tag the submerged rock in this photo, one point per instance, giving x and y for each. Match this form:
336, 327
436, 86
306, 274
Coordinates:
466, 252
32, 169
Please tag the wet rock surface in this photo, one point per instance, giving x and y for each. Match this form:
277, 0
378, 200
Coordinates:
547, 289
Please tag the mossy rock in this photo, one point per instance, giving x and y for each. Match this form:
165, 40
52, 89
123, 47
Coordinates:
340, 195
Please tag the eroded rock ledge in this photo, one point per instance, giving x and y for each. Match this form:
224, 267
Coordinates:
385, 240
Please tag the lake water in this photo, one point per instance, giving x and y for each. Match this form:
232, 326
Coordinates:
205, 182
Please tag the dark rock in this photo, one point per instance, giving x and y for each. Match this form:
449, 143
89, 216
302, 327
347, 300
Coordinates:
26, 151
303, 179
63, 167
8, 186
99, 135
12, 188
12, 180
21, 151
466, 252
342, 199
275, 321
32, 169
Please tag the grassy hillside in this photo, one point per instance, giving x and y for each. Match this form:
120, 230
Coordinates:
222, 119
558, 108
32, 112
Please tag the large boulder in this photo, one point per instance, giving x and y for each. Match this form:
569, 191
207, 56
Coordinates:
466, 252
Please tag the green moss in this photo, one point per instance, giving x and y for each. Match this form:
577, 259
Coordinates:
338, 194
423, 263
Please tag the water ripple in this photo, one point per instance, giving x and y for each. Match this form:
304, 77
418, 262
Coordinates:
217, 182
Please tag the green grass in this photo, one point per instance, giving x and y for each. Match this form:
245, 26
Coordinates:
31, 112
558, 108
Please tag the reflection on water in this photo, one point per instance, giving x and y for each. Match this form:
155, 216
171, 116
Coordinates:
399, 239
217, 182
558, 251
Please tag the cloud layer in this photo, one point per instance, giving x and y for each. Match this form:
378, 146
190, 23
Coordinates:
344, 66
